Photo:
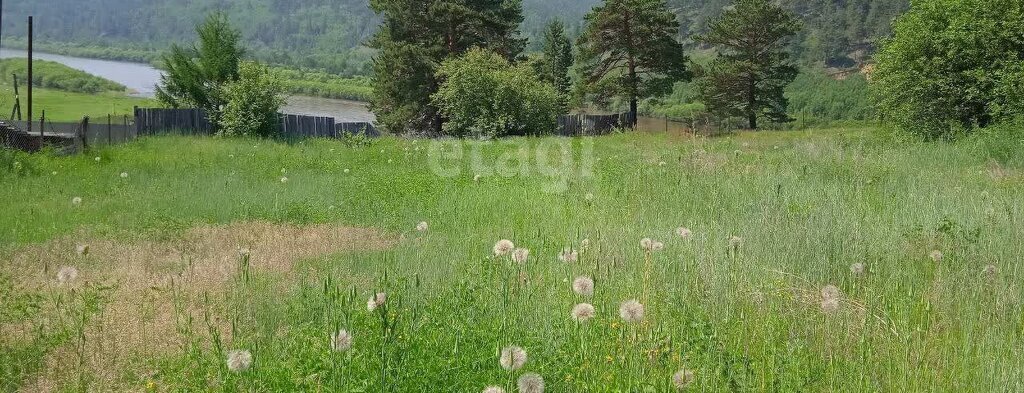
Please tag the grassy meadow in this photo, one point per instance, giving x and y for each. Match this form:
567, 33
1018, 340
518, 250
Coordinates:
185, 249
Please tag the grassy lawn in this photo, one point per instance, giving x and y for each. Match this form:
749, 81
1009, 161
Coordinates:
61, 106
206, 246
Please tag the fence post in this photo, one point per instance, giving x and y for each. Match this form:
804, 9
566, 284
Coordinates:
110, 126
42, 122
81, 130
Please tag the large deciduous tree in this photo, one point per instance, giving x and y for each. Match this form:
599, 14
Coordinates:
952, 66
194, 76
629, 50
416, 36
750, 75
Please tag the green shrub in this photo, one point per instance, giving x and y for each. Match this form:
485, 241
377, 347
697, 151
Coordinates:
483, 94
252, 102
952, 66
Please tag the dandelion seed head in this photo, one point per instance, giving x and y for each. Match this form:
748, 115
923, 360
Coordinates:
347, 170
98, 159
512, 358
830, 292
735, 241
662, 163
857, 269
503, 247
646, 243
583, 286
585, 244
520, 255
124, 175
684, 232
376, 301
67, 274
239, 360
682, 379
631, 311
494, 389
76, 201
284, 179
568, 255
243, 252
989, 270
936, 255
82, 249
830, 305
530, 383
422, 226
589, 196
476, 178
657, 246
583, 312
341, 341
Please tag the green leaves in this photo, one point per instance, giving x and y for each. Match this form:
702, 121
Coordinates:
483, 94
952, 66
252, 102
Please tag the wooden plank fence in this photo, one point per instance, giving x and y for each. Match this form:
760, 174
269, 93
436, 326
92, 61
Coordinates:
589, 125
153, 121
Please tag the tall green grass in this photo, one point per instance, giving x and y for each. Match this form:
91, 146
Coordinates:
807, 205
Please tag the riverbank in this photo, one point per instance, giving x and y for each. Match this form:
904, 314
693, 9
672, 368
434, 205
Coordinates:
311, 93
308, 82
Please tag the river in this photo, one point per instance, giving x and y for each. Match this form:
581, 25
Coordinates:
141, 80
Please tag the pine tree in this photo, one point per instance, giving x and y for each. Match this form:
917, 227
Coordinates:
557, 58
753, 68
629, 50
194, 76
416, 36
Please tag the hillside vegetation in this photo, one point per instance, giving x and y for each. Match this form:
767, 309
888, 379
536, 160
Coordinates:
329, 34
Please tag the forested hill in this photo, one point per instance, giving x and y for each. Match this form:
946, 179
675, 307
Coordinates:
327, 33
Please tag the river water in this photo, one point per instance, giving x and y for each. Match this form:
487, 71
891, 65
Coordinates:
141, 80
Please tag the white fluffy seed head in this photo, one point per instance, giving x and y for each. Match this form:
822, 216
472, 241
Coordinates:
568, 255
530, 383
583, 312
935, 255
67, 274
341, 341
735, 241
830, 305
631, 311
284, 179
989, 270
684, 232
422, 226
584, 244
830, 292
376, 301
76, 201
583, 286
82, 249
503, 247
646, 244
682, 379
857, 269
657, 246
239, 360
520, 255
124, 175
512, 358
494, 389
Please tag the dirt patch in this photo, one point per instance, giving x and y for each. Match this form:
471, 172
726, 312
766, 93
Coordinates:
157, 287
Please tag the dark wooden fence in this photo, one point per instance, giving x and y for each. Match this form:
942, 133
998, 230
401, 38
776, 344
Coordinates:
587, 125
152, 121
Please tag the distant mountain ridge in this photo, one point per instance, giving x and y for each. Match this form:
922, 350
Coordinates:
328, 33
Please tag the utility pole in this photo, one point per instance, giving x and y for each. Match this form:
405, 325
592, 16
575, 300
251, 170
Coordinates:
30, 75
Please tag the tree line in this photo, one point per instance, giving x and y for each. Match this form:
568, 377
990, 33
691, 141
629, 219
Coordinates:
457, 67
